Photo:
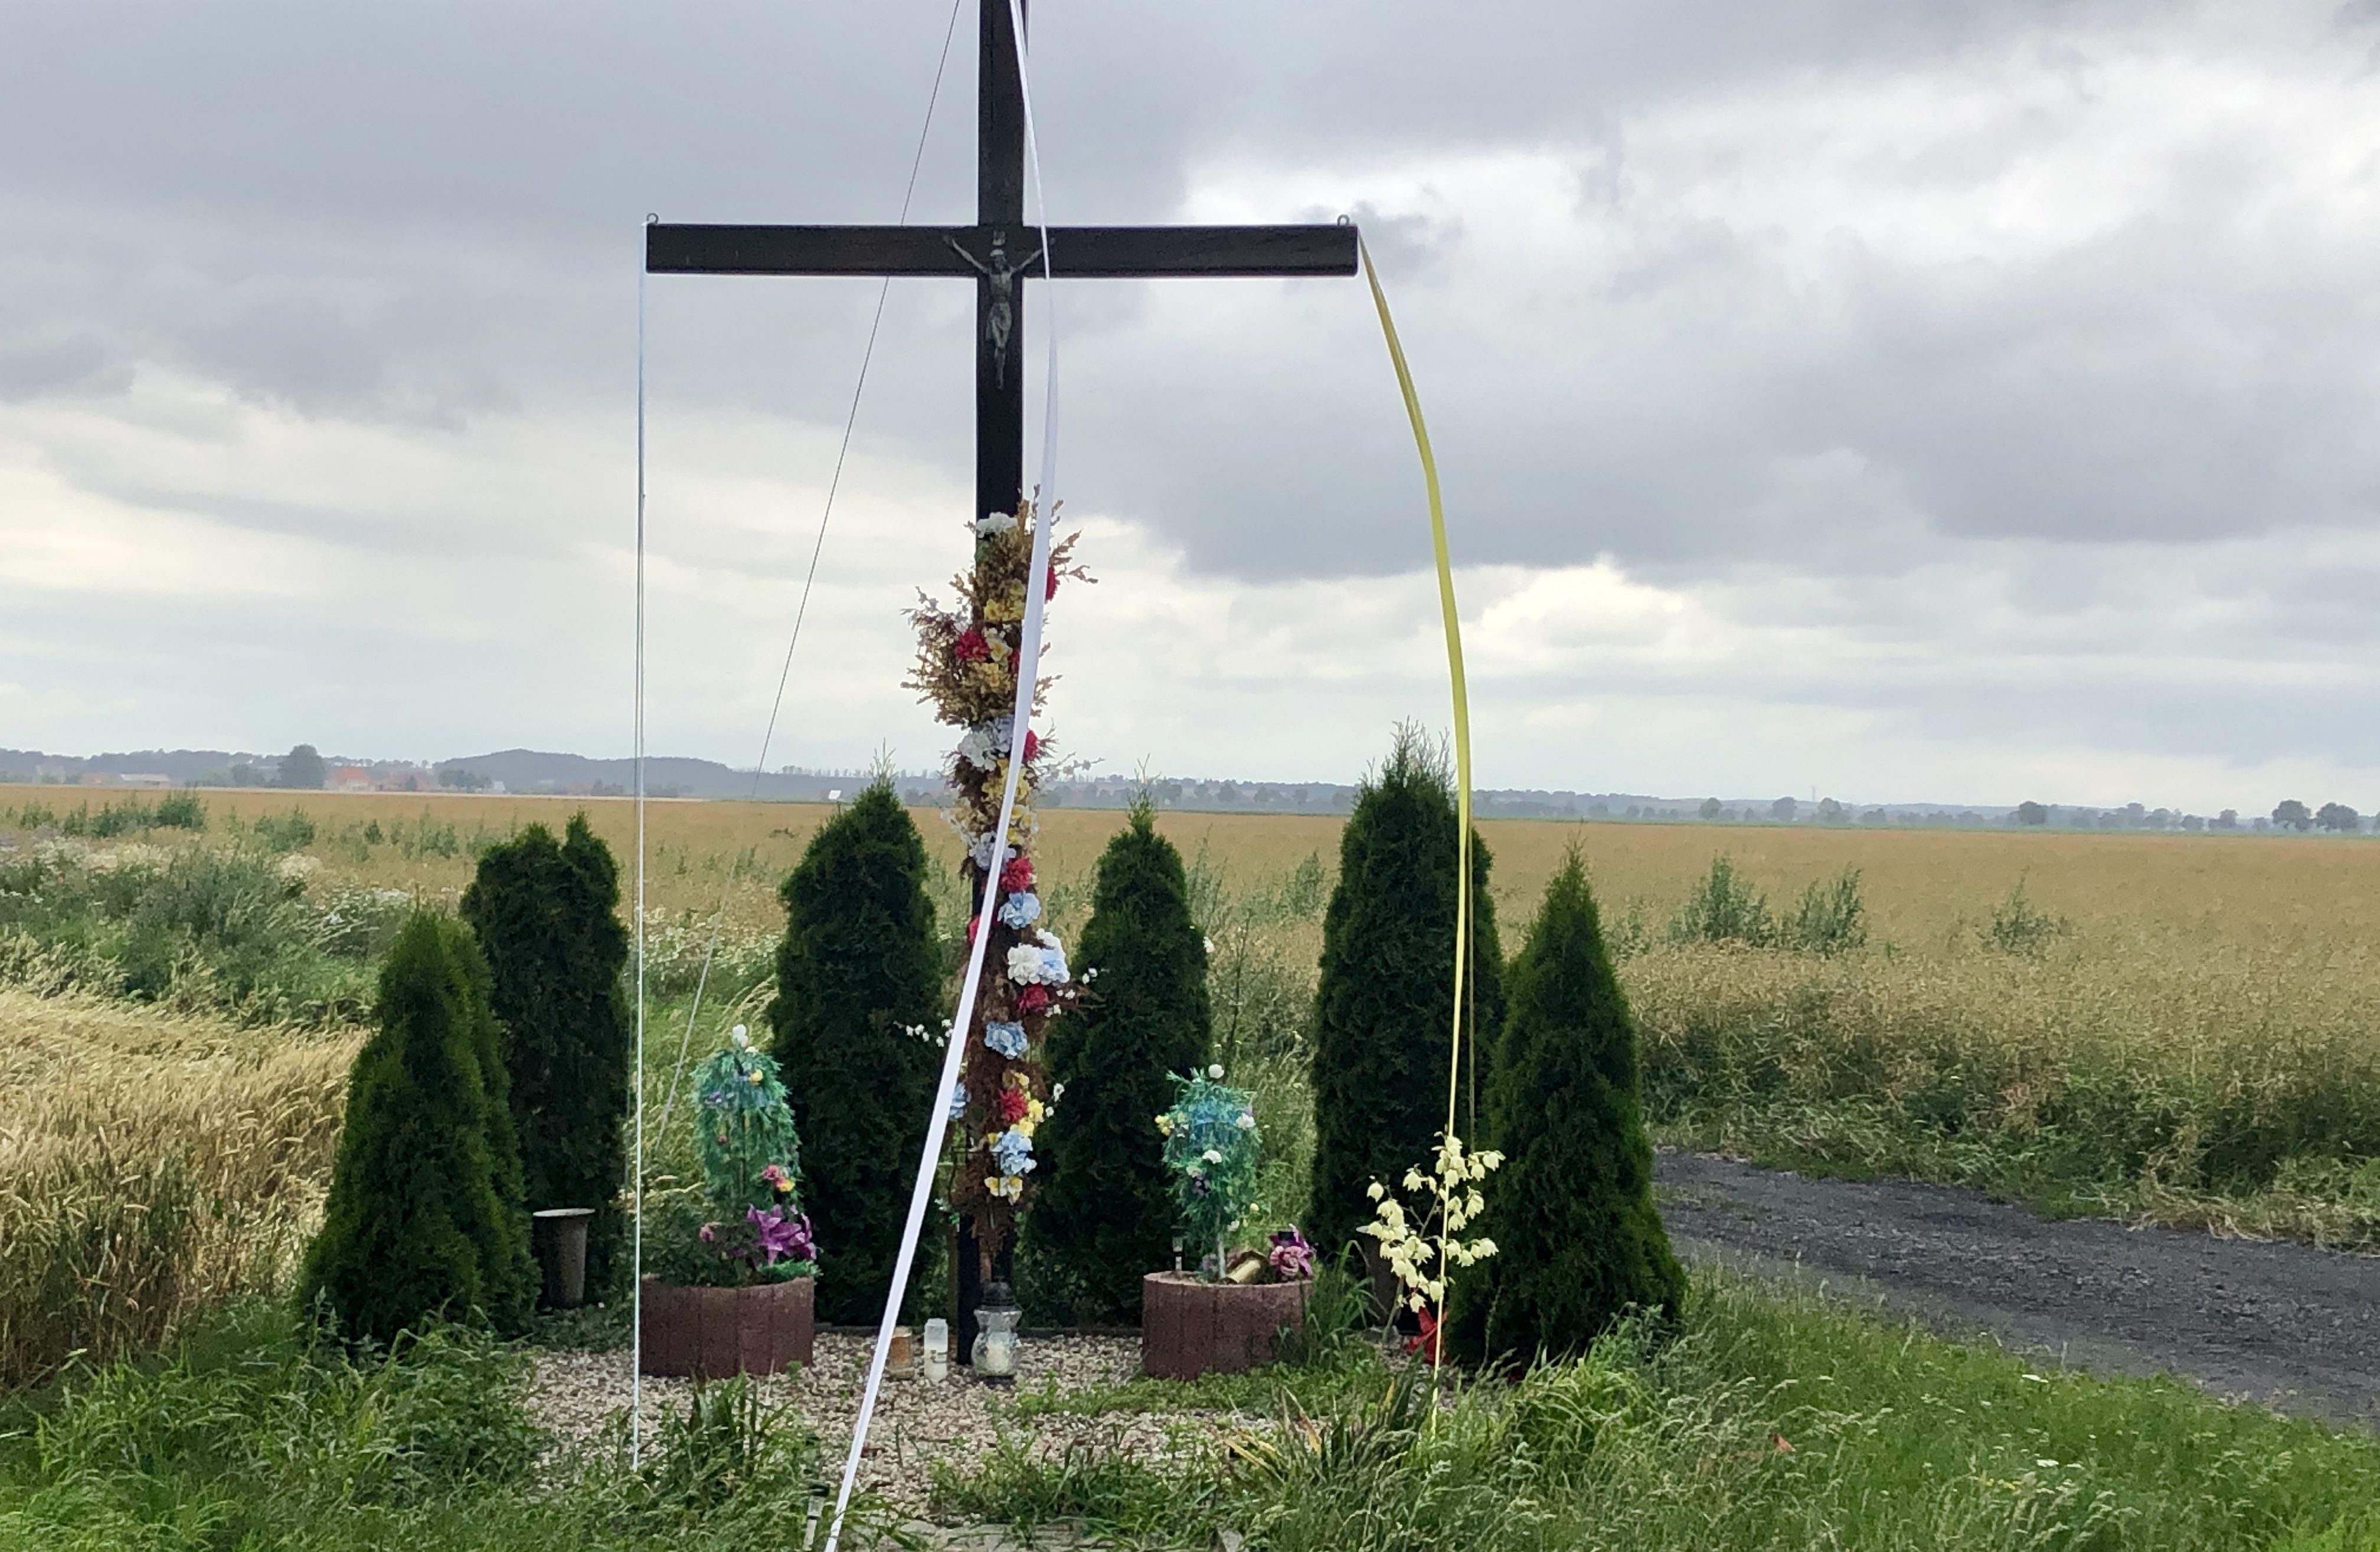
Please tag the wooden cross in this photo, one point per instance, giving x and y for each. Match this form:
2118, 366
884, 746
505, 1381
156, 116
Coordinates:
997, 252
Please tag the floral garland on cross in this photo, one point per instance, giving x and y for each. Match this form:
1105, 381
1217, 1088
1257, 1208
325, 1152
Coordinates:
967, 669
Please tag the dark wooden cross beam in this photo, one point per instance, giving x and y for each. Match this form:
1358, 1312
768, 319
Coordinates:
997, 252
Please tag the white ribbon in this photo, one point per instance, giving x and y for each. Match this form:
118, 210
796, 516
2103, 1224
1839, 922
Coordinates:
1028, 658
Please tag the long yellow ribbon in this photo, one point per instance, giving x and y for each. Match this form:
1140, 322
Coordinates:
1453, 622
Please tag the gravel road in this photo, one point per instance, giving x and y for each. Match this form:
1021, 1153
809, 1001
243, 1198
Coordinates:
2287, 1325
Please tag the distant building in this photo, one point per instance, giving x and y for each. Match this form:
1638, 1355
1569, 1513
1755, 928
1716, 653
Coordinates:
348, 778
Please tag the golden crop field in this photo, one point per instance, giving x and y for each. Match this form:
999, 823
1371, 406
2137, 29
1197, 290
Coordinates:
2288, 894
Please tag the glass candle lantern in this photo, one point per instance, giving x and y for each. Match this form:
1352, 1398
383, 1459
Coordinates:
995, 1337
937, 1356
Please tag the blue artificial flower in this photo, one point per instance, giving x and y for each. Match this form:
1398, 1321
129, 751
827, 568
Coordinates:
1006, 1038
1012, 1153
1021, 910
1053, 966
958, 1101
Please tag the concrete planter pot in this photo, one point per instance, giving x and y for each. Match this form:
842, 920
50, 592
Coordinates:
1188, 1327
709, 1333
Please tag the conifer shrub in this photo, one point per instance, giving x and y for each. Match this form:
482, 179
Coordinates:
858, 999
426, 1216
545, 913
1384, 1003
1106, 1210
1578, 1240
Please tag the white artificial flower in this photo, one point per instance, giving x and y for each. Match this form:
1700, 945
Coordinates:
1216, 1071
1211, 1156
994, 522
1247, 1123
737, 1038
1025, 964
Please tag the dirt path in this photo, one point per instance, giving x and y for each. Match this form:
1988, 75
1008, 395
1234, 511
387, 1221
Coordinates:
2285, 1324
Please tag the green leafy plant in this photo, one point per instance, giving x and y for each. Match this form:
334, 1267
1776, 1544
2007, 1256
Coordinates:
1724, 908
2019, 927
1832, 918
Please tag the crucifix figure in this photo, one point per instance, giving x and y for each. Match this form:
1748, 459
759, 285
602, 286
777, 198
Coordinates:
997, 252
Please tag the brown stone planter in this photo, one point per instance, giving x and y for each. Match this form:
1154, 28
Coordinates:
1188, 1327
709, 1333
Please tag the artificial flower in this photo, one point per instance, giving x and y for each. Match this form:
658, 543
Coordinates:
1016, 875
1032, 1000
1010, 1186
1006, 1037
1291, 1258
1019, 911
1012, 1104
958, 1100
1165, 1125
1246, 1121
1012, 1153
780, 1235
992, 523
971, 646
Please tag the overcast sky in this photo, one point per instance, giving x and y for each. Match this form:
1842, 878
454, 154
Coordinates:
1964, 401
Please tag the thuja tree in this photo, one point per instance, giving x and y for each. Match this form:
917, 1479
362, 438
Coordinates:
1578, 1240
545, 913
1385, 1003
1106, 1210
858, 988
425, 1216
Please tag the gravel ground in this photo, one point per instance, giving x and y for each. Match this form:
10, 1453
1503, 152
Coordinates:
2288, 1325
918, 1421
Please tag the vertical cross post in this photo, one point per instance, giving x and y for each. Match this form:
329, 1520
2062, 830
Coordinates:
999, 295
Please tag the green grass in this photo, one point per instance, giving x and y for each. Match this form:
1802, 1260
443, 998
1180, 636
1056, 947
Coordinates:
258, 1434
1776, 1420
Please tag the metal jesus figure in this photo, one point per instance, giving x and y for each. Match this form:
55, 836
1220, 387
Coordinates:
999, 252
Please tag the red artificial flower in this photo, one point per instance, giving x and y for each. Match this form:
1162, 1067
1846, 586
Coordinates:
1032, 998
1427, 1343
973, 922
1017, 876
1051, 589
1012, 1105
1032, 745
971, 646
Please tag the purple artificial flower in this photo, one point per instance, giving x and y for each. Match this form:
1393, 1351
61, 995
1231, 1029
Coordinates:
1291, 1258
780, 1235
